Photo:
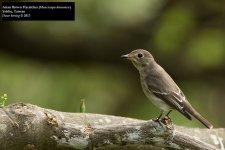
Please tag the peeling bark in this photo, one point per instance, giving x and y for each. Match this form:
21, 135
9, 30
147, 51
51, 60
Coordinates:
29, 127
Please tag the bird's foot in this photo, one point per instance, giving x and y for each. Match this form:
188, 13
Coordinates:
158, 120
166, 120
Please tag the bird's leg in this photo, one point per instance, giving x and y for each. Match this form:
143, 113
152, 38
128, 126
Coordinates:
163, 120
167, 120
160, 115
168, 113
158, 119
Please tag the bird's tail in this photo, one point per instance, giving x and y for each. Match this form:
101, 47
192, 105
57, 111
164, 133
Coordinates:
205, 122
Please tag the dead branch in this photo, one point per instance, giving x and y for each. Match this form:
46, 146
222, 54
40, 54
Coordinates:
26, 126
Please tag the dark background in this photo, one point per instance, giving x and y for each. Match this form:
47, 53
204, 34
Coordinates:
55, 64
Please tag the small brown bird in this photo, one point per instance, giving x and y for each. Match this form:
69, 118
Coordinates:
160, 88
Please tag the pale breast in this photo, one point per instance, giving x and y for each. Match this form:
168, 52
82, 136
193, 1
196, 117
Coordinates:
156, 101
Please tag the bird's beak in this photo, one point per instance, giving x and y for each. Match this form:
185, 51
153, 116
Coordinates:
125, 56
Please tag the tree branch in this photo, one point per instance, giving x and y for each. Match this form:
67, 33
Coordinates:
26, 126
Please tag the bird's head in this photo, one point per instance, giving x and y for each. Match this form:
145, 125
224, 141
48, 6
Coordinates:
140, 58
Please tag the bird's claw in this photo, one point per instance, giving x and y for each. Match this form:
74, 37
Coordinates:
158, 120
163, 121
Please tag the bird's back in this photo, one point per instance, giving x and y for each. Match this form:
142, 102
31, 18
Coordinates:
163, 87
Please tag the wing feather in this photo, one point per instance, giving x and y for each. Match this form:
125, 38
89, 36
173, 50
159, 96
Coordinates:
163, 87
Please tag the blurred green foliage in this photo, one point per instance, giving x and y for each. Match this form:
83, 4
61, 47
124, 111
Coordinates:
3, 100
174, 26
207, 48
62, 86
55, 64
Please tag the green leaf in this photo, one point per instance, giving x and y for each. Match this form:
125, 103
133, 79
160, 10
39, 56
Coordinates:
3, 99
82, 106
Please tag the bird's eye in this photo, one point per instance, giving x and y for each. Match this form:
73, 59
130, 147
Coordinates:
140, 55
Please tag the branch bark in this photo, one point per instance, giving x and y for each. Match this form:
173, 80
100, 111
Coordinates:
26, 126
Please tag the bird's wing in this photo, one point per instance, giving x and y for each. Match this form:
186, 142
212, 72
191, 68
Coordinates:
175, 100
163, 87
